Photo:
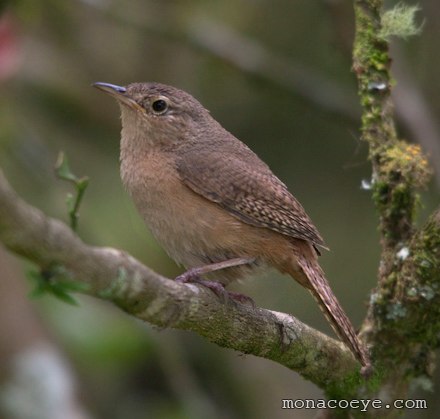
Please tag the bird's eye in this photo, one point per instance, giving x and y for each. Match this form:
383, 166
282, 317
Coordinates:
159, 106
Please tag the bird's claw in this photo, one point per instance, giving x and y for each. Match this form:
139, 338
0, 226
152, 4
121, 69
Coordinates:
216, 287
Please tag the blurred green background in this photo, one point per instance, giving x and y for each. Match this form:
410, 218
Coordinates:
278, 75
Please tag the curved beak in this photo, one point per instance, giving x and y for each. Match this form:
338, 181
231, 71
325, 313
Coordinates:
118, 92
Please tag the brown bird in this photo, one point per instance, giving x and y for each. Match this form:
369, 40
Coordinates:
212, 203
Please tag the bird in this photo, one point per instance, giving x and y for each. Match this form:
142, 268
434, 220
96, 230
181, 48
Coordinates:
212, 203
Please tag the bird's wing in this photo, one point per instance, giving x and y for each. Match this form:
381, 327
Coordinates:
245, 186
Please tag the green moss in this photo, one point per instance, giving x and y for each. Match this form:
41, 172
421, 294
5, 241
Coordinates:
401, 169
351, 384
347, 387
406, 308
380, 194
426, 257
408, 161
370, 53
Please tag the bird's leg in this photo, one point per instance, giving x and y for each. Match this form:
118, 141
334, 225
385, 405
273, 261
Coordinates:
193, 275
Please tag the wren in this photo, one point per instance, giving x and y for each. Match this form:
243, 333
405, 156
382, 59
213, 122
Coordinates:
213, 205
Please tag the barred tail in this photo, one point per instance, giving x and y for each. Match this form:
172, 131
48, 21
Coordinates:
329, 305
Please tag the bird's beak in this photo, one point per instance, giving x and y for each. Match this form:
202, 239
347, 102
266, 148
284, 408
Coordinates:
112, 89
118, 92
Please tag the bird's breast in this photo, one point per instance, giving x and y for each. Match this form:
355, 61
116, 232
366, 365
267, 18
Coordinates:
193, 230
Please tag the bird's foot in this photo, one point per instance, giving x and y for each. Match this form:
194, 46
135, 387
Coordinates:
192, 276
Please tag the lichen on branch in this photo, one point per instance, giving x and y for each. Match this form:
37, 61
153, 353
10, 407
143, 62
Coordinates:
408, 291
399, 169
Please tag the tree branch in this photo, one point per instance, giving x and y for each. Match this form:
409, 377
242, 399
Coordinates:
116, 276
408, 291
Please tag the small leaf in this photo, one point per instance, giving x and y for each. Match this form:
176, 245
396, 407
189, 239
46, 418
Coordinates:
74, 286
64, 296
55, 281
62, 168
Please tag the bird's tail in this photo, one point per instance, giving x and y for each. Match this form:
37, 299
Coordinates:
329, 305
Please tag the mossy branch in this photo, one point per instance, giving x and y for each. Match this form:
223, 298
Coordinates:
408, 290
